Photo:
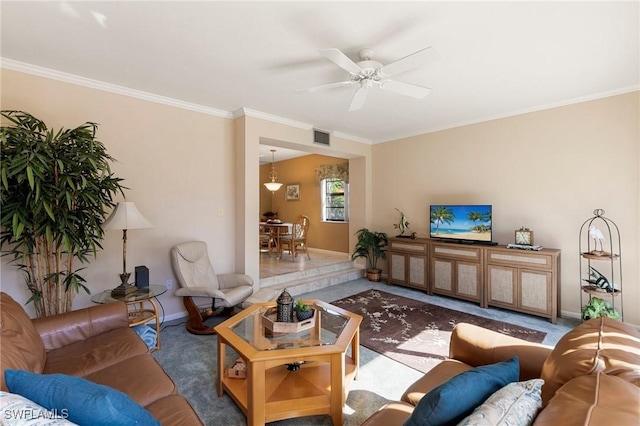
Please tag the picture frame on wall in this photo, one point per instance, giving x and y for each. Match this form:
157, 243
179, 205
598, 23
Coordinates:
292, 192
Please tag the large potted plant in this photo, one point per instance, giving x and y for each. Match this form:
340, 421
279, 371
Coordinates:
56, 187
371, 245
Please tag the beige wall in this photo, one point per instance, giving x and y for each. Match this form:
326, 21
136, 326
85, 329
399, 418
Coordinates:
178, 165
262, 131
546, 170
196, 176
301, 170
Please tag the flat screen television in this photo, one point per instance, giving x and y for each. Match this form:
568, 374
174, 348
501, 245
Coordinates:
464, 222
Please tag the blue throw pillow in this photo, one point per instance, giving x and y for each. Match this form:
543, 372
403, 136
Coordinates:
86, 403
455, 399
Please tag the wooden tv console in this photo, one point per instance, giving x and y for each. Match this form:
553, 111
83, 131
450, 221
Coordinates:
519, 280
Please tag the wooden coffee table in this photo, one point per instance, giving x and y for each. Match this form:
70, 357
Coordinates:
326, 354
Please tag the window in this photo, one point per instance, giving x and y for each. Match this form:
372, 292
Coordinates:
335, 200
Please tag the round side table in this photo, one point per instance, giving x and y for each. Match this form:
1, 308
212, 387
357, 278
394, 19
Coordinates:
138, 313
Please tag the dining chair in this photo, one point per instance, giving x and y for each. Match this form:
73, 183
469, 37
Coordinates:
296, 241
266, 239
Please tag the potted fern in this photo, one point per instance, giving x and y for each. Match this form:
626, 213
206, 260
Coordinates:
371, 245
56, 188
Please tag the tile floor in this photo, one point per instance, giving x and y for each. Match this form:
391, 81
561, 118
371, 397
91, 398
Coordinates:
270, 265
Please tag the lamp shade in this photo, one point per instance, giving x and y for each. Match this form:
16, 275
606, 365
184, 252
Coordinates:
273, 186
126, 216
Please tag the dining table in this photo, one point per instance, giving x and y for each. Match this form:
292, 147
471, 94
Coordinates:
275, 230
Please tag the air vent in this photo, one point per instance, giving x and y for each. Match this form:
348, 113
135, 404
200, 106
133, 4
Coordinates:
321, 137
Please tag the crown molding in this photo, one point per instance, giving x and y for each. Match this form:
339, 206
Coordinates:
64, 77
271, 117
352, 138
12, 65
297, 124
566, 102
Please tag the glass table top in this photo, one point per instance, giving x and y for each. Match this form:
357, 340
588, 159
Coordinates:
139, 295
254, 329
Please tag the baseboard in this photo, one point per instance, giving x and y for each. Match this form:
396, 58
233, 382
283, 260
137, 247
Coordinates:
569, 314
338, 253
185, 314
175, 316
576, 315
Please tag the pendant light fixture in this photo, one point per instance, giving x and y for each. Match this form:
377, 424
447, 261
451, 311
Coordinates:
273, 186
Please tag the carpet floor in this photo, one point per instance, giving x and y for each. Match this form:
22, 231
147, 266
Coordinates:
416, 333
191, 361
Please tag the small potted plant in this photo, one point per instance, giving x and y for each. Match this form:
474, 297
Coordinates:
371, 245
303, 311
599, 308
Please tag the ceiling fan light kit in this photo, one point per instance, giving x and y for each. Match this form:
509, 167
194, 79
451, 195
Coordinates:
368, 73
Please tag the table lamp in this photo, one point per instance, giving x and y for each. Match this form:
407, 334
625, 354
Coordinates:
125, 216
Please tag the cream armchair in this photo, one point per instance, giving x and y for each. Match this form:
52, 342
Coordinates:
193, 270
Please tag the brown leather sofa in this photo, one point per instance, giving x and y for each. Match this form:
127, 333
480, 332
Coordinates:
97, 344
592, 376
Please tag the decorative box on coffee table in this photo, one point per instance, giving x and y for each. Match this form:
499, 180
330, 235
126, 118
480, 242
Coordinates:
270, 323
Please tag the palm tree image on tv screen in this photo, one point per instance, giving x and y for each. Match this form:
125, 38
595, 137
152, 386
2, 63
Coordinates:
461, 222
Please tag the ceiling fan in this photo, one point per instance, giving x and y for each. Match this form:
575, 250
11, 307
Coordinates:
368, 73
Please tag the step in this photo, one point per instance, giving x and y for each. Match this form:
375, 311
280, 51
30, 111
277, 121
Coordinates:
336, 266
313, 279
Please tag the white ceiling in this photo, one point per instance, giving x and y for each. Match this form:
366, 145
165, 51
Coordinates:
495, 58
280, 153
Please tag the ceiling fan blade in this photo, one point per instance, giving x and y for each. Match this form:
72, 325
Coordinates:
406, 89
409, 62
325, 87
341, 60
358, 99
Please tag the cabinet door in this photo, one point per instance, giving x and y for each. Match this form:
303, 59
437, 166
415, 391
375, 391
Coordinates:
442, 276
501, 283
535, 291
397, 268
524, 281
417, 271
408, 270
407, 263
468, 281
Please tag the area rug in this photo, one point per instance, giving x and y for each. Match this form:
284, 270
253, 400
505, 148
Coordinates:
416, 333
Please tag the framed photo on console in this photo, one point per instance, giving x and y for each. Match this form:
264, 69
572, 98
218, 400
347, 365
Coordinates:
292, 192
